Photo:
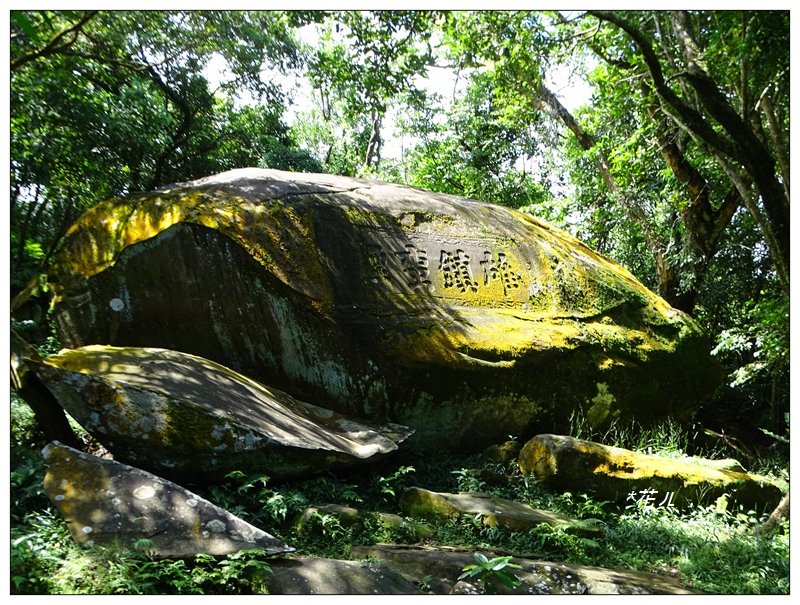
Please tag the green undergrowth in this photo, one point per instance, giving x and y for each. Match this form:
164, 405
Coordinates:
706, 548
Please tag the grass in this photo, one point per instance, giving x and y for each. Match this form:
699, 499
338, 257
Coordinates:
709, 549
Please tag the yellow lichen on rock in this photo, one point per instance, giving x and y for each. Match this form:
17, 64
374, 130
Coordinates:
563, 240
96, 240
614, 473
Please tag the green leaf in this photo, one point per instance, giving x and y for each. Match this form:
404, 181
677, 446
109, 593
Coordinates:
22, 21
480, 558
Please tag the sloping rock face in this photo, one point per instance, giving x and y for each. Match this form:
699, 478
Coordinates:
448, 315
613, 473
109, 503
186, 417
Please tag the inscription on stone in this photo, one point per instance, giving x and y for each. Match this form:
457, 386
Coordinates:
415, 267
376, 257
458, 271
499, 269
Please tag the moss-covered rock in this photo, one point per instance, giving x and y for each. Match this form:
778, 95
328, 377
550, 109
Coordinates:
621, 475
503, 453
466, 321
186, 417
516, 516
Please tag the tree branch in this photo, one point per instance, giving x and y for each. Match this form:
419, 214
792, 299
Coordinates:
668, 277
777, 141
690, 118
755, 157
57, 44
780, 263
743, 147
551, 104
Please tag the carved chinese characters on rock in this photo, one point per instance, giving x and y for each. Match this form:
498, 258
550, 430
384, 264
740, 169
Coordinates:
415, 267
460, 272
499, 270
456, 271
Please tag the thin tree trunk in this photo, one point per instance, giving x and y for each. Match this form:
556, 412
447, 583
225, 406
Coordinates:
373, 146
777, 141
781, 512
23, 230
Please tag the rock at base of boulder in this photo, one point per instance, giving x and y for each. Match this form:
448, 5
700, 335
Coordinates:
190, 419
617, 474
503, 453
109, 503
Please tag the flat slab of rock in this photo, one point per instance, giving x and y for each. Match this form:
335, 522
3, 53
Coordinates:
318, 576
425, 504
109, 503
442, 568
189, 418
617, 474
381, 301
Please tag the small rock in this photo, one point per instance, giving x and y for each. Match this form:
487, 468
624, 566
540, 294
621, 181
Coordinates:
425, 504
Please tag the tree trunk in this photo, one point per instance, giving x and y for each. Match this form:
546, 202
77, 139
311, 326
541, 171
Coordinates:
736, 142
669, 282
780, 512
50, 416
373, 146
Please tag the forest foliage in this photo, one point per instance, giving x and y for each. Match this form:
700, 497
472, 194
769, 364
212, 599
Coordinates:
677, 166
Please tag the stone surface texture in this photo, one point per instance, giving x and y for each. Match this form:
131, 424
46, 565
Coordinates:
442, 568
466, 321
113, 504
186, 417
318, 576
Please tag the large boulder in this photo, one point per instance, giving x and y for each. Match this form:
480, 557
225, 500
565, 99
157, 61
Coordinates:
189, 418
452, 316
621, 475
106, 502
